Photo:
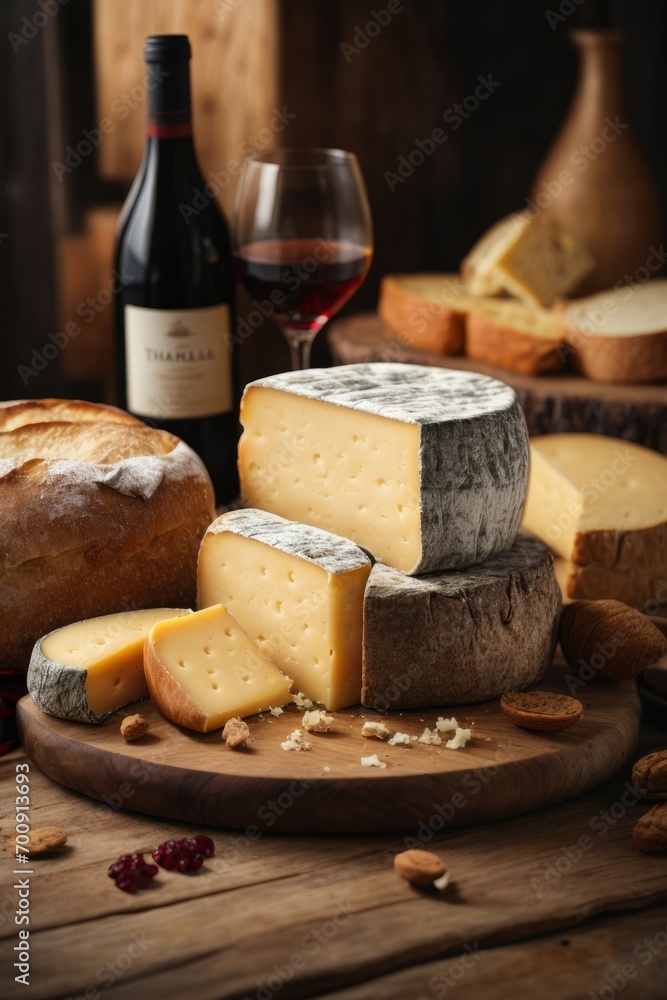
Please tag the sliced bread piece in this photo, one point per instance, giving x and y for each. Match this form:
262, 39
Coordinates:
534, 259
620, 335
425, 310
515, 336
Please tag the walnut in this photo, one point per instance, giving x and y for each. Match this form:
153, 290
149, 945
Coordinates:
133, 727
235, 733
650, 775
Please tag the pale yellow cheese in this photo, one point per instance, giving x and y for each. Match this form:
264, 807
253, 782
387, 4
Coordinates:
337, 470
214, 662
110, 650
532, 258
586, 483
306, 619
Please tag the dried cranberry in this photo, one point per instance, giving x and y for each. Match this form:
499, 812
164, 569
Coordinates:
205, 845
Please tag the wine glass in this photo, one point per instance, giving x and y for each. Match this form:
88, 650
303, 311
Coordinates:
303, 238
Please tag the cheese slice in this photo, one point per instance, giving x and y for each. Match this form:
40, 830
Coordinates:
534, 259
90, 669
298, 591
204, 670
425, 467
460, 637
601, 504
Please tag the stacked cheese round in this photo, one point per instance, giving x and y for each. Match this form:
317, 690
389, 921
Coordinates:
100, 514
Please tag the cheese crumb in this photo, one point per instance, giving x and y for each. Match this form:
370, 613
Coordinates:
376, 729
317, 721
459, 739
444, 725
326, 768
295, 742
430, 736
301, 701
401, 740
275, 711
372, 761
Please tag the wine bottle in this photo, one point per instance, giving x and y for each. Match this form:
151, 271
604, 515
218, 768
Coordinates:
174, 346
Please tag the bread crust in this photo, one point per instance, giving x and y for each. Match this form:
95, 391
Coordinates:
619, 359
167, 694
81, 538
494, 342
419, 322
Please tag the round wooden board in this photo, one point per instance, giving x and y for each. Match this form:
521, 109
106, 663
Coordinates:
551, 403
182, 775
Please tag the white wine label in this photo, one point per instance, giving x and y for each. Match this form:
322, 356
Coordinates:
178, 362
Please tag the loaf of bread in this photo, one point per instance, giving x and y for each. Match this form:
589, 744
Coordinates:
425, 311
100, 513
620, 335
514, 336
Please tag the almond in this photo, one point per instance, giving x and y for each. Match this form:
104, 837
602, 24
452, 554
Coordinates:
614, 640
542, 710
419, 867
49, 838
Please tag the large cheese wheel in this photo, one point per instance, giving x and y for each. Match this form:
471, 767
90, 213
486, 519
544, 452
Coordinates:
100, 513
456, 638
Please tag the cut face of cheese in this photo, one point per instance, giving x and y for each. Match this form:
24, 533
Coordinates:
297, 591
425, 310
204, 670
534, 259
425, 467
455, 638
601, 504
88, 670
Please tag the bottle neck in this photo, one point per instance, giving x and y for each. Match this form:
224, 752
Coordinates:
169, 106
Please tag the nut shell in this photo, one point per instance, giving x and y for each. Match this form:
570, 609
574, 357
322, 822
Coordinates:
545, 711
649, 775
614, 640
419, 867
650, 832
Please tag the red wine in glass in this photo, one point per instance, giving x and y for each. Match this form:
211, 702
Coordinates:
305, 280
303, 238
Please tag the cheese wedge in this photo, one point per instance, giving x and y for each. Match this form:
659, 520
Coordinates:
424, 467
90, 669
534, 259
204, 669
298, 591
601, 504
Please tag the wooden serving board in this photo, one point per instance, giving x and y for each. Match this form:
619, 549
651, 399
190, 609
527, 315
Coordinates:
551, 403
178, 774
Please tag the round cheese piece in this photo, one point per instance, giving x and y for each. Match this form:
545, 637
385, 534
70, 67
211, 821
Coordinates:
457, 638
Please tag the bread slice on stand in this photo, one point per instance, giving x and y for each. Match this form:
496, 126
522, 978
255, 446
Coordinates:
425, 311
619, 335
515, 336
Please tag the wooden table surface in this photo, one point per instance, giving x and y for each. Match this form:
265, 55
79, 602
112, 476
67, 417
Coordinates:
555, 904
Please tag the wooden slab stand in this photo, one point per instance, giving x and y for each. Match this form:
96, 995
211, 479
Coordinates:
551, 403
183, 775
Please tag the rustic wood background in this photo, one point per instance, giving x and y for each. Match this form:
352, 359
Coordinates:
251, 54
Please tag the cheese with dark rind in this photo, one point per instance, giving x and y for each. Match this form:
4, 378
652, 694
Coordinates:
458, 638
425, 467
95, 667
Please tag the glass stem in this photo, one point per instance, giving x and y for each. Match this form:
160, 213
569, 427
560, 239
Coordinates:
300, 343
